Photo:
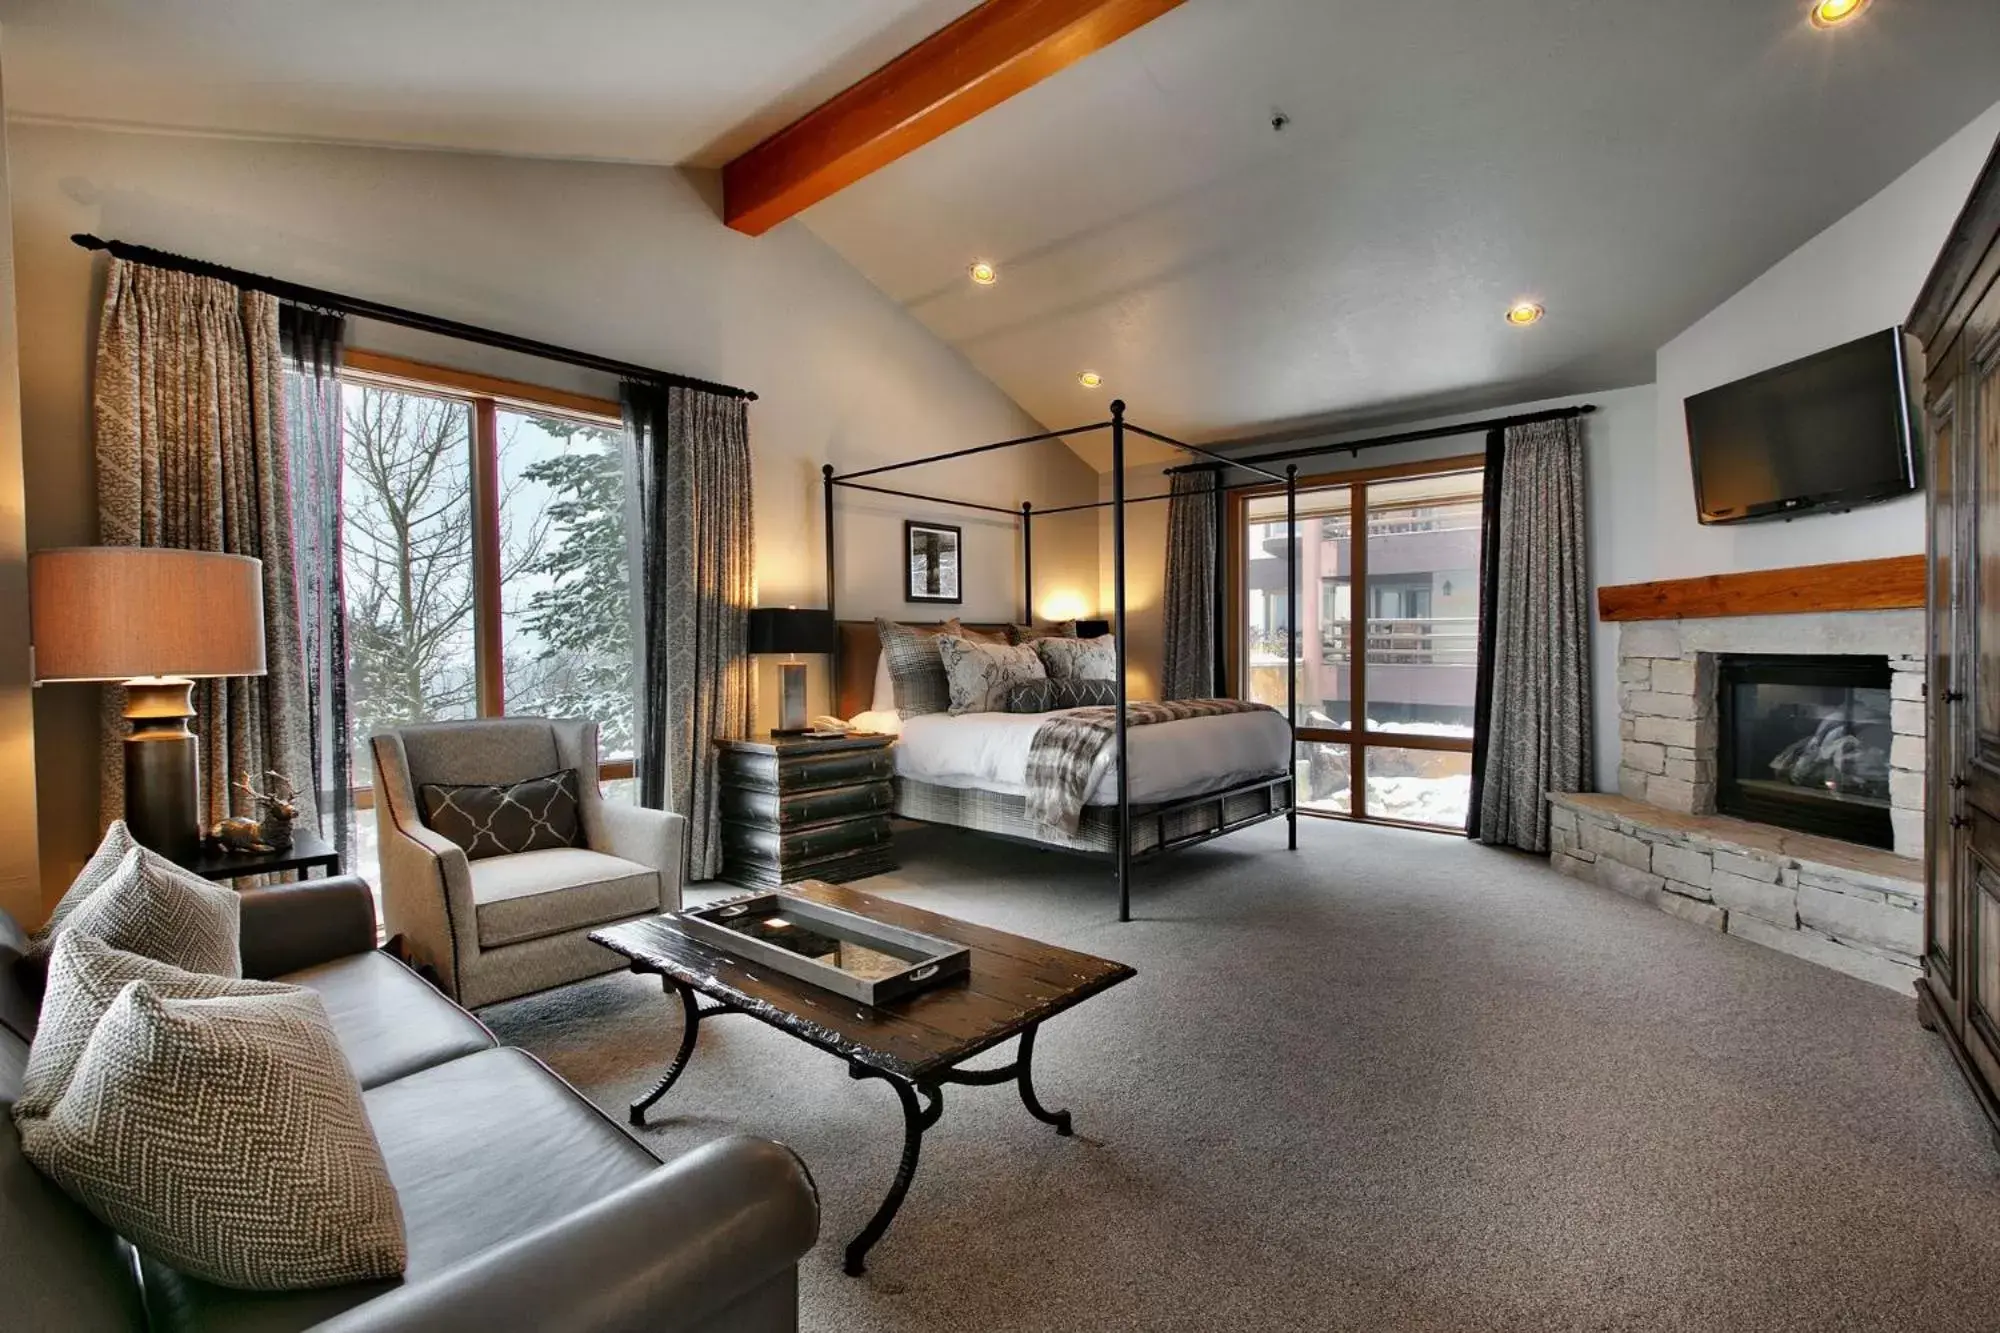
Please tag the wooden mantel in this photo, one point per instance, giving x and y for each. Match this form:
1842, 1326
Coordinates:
1893, 584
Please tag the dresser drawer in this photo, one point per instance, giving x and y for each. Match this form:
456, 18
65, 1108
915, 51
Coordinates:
806, 772
796, 810
806, 845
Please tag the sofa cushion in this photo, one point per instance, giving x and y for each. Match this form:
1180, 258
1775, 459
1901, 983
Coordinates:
481, 1150
532, 815
225, 1136
390, 1022
536, 894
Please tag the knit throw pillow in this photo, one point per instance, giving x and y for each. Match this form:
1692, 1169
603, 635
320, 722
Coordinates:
152, 907
1046, 696
981, 674
1080, 659
111, 849
226, 1137
916, 670
530, 816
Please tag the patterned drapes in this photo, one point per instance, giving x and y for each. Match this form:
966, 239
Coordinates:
1189, 667
312, 342
1538, 622
188, 408
691, 467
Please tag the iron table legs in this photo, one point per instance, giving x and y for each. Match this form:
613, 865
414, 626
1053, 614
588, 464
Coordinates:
691, 1015
920, 1115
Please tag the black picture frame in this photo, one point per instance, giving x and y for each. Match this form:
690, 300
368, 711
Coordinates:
933, 563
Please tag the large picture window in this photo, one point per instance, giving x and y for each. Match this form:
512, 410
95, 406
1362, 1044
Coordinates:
1385, 707
484, 532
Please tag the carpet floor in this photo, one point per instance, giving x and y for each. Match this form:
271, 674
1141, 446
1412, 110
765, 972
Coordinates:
1390, 1081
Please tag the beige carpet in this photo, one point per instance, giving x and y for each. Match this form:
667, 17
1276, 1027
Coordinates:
1392, 1081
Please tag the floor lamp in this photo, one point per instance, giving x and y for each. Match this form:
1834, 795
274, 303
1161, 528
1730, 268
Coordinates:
154, 620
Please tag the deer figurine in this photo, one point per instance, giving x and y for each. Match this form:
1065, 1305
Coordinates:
270, 830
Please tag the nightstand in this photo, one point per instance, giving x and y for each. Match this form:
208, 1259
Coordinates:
796, 807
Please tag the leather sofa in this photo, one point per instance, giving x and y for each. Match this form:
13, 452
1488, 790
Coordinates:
525, 1206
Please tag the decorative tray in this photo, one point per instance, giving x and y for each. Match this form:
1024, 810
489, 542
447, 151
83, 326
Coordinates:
844, 952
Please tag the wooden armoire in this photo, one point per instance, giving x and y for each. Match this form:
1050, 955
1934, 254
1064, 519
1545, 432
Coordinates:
1957, 320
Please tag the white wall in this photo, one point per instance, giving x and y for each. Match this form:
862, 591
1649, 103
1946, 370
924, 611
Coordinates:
629, 262
1857, 277
20, 888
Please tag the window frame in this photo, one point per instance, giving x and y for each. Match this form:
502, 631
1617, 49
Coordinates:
484, 397
1356, 736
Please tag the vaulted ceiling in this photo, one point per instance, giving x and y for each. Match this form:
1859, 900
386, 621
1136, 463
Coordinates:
1627, 165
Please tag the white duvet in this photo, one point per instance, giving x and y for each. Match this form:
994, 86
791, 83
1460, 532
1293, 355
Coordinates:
1170, 760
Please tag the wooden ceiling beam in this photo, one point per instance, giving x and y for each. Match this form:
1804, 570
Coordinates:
977, 62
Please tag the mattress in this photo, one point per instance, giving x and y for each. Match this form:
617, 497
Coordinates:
1170, 760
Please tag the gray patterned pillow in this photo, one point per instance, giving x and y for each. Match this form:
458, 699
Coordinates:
226, 1137
1080, 659
533, 815
152, 907
112, 849
916, 670
981, 674
1046, 696
1024, 634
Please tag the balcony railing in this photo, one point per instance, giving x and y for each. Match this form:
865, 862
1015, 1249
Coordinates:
1433, 641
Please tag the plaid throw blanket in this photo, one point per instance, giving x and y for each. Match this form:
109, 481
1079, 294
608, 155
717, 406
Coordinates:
1072, 751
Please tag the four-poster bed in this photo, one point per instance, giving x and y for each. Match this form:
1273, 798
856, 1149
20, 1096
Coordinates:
1194, 809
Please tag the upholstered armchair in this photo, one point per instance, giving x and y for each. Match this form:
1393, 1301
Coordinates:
499, 926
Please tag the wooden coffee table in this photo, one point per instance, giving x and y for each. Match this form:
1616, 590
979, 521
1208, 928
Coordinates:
914, 1044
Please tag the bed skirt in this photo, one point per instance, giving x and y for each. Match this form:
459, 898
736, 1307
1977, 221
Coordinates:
1007, 816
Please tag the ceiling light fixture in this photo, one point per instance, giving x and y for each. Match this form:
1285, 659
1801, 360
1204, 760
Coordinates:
1525, 313
984, 273
1090, 379
1833, 13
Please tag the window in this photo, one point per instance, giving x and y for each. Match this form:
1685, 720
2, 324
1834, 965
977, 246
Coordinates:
484, 532
1411, 678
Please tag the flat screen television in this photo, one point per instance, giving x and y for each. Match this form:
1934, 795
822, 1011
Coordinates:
1832, 431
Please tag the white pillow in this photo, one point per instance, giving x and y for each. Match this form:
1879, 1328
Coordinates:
885, 688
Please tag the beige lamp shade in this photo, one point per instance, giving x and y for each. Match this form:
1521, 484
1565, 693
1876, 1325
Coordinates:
126, 612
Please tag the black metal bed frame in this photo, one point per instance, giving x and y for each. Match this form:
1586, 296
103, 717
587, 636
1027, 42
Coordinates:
1119, 427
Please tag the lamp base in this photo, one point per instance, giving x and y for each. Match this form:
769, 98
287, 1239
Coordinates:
161, 766
791, 699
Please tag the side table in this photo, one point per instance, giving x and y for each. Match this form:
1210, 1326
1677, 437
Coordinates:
308, 850
800, 807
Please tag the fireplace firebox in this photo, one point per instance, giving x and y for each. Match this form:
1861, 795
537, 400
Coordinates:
1803, 742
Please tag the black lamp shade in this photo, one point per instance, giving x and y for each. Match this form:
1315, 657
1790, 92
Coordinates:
787, 629
1092, 629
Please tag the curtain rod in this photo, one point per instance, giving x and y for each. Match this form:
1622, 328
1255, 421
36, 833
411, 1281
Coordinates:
1414, 436
300, 294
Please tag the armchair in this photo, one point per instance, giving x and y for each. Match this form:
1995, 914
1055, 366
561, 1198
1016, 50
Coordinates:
502, 926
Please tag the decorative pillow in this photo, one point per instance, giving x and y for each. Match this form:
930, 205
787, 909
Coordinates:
533, 815
117, 841
225, 1136
85, 976
1080, 659
1046, 696
1061, 629
981, 674
152, 907
916, 672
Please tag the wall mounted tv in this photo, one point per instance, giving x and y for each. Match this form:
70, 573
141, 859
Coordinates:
1828, 432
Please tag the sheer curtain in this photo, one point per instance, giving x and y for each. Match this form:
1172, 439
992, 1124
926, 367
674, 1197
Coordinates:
312, 341
1536, 626
188, 418
690, 455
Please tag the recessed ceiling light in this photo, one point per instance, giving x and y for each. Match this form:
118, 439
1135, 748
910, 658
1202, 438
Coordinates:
1525, 313
984, 273
1090, 379
1833, 13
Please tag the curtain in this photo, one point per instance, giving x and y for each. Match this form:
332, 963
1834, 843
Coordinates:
690, 458
1189, 668
1538, 730
188, 407
1489, 599
312, 341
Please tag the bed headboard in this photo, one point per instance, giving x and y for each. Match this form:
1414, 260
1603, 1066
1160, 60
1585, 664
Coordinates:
859, 649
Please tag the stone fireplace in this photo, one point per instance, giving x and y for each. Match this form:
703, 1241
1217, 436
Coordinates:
1825, 718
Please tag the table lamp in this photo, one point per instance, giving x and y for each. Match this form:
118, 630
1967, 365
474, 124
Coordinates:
153, 619
791, 631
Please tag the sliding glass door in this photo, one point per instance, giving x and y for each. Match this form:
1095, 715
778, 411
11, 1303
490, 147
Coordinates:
1387, 653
